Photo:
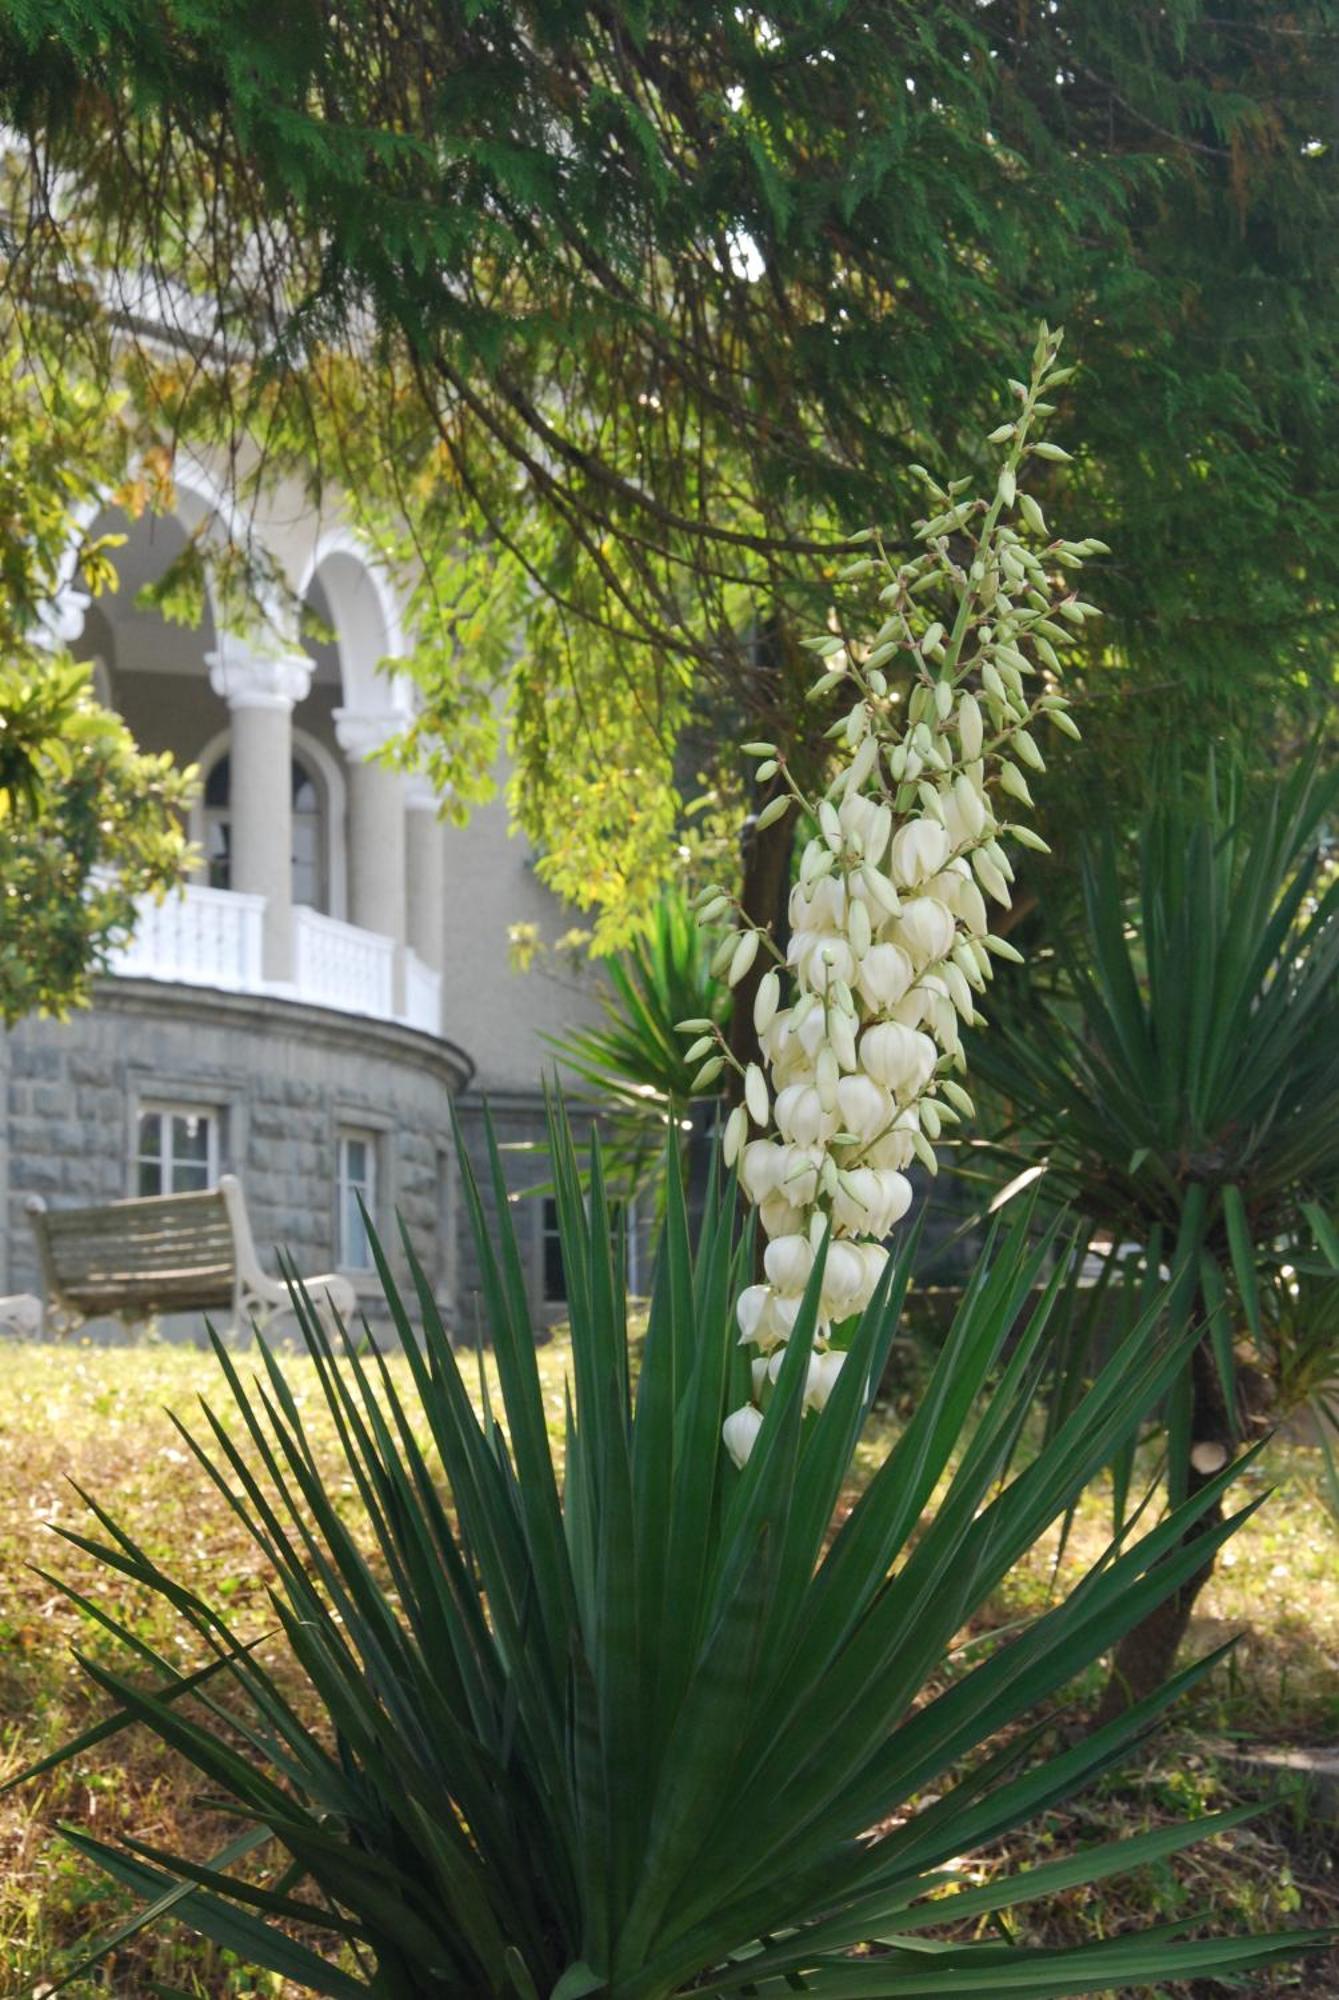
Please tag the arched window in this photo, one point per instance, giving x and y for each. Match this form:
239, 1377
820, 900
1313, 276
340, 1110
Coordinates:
309, 832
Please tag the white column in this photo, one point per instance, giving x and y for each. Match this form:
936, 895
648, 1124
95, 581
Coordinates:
376, 837
261, 691
426, 871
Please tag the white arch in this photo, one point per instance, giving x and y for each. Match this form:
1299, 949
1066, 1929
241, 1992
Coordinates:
367, 621
204, 500
331, 774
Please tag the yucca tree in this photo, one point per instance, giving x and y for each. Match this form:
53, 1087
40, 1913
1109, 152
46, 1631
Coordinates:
1180, 1080
623, 1727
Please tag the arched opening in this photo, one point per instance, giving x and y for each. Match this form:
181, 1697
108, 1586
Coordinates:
310, 855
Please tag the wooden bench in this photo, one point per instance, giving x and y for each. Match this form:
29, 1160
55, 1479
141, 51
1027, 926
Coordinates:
165, 1253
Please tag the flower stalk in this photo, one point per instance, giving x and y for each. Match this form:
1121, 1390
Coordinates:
890, 946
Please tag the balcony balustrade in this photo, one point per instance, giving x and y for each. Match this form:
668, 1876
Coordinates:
214, 937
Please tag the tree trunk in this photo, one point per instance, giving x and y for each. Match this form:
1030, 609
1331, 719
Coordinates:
1144, 1658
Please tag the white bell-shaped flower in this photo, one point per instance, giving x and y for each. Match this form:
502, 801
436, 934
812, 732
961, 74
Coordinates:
822, 1379
788, 1260
820, 907
740, 1431
783, 1315
870, 821
825, 961
780, 1217
885, 974
896, 1196
920, 849
762, 1165
799, 1183
925, 930
873, 1258
857, 1206
751, 1310
865, 1107
900, 1058
843, 1280
894, 1150
800, 1116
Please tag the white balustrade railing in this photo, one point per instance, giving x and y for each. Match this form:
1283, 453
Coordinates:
202, 937
214, 937
338, 965
422, 995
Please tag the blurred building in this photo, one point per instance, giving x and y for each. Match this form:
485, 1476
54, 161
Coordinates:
336, 976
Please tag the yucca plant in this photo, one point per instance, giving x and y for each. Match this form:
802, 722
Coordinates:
642, 1724
1180, 1080
633, 1060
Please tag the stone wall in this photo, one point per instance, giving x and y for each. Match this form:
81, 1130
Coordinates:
283, 1080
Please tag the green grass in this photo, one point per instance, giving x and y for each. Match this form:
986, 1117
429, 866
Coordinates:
96, 1416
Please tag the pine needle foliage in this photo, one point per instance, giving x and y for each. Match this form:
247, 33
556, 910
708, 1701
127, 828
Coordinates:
625, 316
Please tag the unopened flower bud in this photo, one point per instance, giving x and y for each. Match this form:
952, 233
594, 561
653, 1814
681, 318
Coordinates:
744, 954
970, 729
766, 1001
736, 1125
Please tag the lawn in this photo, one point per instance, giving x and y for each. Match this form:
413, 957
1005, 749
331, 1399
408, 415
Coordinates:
96, 1416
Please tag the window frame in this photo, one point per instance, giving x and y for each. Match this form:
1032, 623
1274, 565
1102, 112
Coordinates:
345, 1185
166, 1110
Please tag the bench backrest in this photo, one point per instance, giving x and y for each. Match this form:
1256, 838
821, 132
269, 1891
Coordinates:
163, 1253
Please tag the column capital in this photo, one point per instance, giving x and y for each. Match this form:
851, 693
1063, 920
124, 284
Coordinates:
360, 733
249, 678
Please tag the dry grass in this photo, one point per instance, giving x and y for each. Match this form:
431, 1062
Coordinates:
95, 1416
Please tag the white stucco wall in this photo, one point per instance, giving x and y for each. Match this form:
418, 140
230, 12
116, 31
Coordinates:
497, 1014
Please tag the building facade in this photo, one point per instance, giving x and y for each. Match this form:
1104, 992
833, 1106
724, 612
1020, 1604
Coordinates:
334, 983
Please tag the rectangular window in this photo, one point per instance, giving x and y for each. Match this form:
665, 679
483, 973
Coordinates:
551, 1253
622, 1232
176, 1149
356, 1178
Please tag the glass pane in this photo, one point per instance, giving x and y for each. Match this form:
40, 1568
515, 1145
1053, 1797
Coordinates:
190, 1139
150, 1179
304, 790
189, 1176
306, 862
218, 851
355, 1163
150, 1135
218, 784
355, 1250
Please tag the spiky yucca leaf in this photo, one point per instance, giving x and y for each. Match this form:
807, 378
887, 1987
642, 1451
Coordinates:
1182, 1083
623, 1727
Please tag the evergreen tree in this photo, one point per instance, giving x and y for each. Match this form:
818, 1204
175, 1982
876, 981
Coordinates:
625, 317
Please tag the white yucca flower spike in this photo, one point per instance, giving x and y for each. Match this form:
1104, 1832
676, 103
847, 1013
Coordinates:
859, 1020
